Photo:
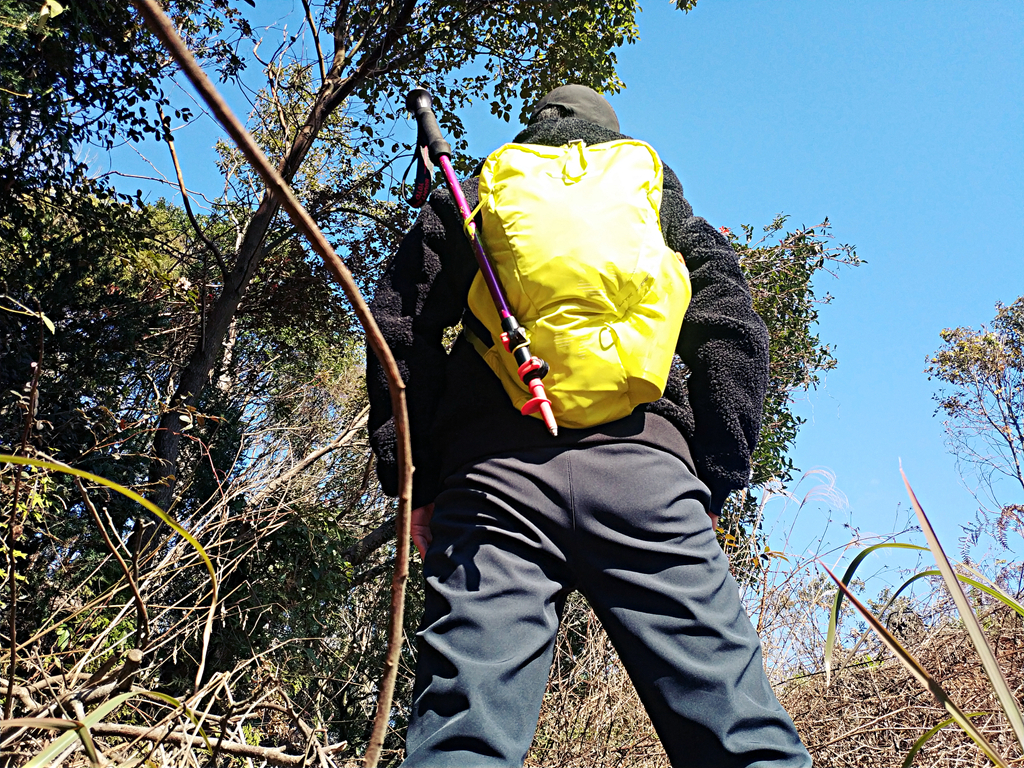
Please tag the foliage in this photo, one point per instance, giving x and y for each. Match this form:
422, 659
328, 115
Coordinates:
83, 75
781, 270
983, 406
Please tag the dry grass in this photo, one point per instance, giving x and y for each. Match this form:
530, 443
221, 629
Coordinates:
265, 710
871, 714
874, 711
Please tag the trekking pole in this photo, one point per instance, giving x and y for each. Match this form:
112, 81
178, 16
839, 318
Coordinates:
531, 368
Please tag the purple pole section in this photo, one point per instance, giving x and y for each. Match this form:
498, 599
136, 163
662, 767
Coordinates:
486, 269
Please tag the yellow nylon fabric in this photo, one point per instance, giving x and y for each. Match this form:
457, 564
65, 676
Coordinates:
574, 237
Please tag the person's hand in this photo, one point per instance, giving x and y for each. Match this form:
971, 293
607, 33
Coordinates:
419, 525
714, 521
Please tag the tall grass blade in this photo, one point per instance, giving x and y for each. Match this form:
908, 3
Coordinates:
81, 729
58, 745
919, 744
922, 675
973, 626
167, 519
58, 724
833, 619
78, 727
988, 589
992, 589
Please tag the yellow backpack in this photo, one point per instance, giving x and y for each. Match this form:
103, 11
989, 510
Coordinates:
574, 236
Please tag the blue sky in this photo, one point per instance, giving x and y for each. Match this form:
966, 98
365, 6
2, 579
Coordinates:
903, 122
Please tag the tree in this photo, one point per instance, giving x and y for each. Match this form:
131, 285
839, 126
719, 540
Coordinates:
379, 53
983, 406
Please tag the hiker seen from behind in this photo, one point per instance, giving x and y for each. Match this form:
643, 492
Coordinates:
655, 367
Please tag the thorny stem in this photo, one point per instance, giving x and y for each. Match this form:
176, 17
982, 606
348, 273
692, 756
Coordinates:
14, 526
279, 189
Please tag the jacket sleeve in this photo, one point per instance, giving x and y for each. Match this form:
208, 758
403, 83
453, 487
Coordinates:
724, 344
423, 292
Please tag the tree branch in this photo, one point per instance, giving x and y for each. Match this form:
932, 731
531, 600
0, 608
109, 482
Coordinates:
358, 423
279, 189
272, 755
371, 542
316, 40
212, 246
140, 605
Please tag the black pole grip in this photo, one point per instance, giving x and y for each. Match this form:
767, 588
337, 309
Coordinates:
418, 102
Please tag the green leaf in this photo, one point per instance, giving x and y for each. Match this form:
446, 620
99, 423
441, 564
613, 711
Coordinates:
928, 736
51, 8
986, 588
48, 323
991, 589
58, 745
81, 729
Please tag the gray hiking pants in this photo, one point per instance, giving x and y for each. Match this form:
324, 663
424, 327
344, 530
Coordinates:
626, 524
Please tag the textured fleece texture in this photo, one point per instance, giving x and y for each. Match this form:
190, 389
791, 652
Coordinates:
458, 410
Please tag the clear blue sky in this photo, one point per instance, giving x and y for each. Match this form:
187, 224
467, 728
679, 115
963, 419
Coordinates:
903, 122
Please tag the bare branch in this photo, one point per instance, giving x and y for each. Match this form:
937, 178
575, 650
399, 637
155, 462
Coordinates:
272, 755
212, 246
140, 605
345, 437
316, 40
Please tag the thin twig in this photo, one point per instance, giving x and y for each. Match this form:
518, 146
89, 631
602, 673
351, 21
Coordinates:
212, 246
13, 524
345, 437
142, 638
161, 26
316, 40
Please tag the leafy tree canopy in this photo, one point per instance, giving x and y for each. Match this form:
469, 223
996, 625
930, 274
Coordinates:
983, 405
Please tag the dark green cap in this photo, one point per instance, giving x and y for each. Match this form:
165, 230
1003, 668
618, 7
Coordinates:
582, 102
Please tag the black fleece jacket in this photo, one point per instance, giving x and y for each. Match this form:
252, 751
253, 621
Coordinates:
710, 414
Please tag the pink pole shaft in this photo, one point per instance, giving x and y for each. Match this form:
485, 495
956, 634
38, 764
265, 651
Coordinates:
497, 294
